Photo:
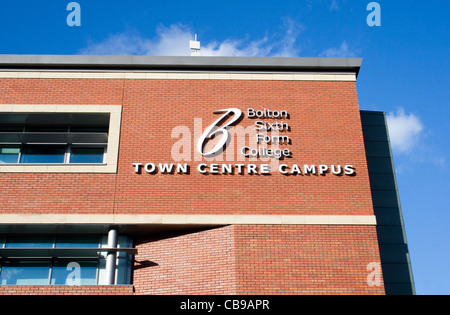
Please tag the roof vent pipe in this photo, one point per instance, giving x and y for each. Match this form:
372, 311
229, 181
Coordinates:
195, 47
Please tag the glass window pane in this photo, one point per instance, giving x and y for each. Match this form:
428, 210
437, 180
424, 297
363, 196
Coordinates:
123, 267
24, 273
29, 242
87, 241
46, 128
74, 273
122, 270
87, 155
9, 153
11, 128
101, 271
43, 154
89, 129
123, 263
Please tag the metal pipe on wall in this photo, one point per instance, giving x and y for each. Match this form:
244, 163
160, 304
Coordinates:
113, 236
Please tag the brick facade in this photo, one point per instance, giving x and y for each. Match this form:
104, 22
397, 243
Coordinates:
325, 128
66, 290
262, 259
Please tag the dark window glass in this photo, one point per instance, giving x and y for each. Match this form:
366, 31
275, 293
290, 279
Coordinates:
47, 154
11, 128
76, 242
89, 129
36, 241
87, 155
46, 128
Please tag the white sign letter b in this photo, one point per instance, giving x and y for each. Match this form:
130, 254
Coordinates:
214, 130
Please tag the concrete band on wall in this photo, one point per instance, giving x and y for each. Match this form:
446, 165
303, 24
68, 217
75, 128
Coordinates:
186, 219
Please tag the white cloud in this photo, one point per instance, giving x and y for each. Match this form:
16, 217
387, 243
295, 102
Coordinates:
342, 52
404, 129
119, 44
169, 41
174, 41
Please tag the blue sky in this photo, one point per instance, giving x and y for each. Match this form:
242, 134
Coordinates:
405, 73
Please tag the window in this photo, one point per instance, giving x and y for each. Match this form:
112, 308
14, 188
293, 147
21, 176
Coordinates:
42, 154
64, 272
60, 260
52, 154
24, 273
89, 155
53, 138
32, 138
9, 154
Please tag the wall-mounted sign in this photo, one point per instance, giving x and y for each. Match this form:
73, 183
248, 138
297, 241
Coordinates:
270, 131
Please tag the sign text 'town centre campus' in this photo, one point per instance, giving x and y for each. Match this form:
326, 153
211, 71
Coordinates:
264, 133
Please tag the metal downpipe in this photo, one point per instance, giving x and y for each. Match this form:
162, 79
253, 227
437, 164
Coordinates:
113, 235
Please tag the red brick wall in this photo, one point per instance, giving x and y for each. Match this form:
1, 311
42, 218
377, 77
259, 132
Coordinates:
66, 290
58, 193
325, 129
263, 259
305, 259
195, 263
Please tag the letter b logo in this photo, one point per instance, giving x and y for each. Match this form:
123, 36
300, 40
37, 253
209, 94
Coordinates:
214, 130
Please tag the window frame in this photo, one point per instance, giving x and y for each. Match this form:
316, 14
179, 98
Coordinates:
51, 262
71, 146
67, 153
25, 147
110, 158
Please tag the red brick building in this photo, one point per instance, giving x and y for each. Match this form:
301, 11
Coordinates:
194, 175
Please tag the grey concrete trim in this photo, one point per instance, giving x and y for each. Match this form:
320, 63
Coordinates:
142, 219
177, 75
349, 65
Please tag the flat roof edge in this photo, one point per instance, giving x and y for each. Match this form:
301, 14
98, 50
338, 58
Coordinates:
93, 62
